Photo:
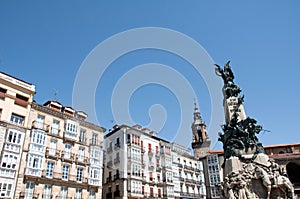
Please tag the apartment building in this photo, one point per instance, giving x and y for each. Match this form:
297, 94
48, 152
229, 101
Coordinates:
188, 174
47, 151
62, 155
213, 172
134, 164
138, 164
16, 97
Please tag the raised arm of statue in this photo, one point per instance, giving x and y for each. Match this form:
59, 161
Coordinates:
220, 72
226, 73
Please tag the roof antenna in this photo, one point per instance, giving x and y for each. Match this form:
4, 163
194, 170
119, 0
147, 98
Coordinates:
55, 94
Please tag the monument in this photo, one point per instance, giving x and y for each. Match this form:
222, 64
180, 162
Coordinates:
248, 171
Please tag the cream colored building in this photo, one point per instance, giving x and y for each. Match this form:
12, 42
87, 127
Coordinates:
62, 156
47, 151
15, 102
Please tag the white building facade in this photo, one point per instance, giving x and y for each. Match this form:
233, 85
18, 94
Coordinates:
138, 164
188, 174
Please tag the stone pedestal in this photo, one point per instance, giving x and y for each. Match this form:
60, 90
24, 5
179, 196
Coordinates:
232, 164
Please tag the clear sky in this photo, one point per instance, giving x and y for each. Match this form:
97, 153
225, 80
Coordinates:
46, 43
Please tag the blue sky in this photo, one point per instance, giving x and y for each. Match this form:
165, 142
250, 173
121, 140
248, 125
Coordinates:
46, 43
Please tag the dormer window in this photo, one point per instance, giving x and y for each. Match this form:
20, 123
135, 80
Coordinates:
21, 100
2, 93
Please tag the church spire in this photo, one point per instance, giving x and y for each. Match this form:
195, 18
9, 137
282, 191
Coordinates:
197, 116
201, 142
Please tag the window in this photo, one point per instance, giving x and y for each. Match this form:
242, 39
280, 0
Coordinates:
63, 192
92, 194
38, 137
128, 139
94, 139
29, 190
21, 100
47, 191
151, 191
71, 129
67, 153
149, 147
14, 136
118, 145
40, 122
49, 170
82, 136
79, 174
52, 148
34, 161
81, 154
78, 193
17, 119
95, 173
55, 127
2, 93
9, 161
65, 172
5, 190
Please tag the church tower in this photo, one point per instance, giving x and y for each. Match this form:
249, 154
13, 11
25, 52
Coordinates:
201, 142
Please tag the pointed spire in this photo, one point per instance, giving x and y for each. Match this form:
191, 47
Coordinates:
197, 116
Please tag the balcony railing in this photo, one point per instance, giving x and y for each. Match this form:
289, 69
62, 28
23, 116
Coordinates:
70, 136
181, 179
47, 196
93, 181
52, 152
66, 156
33, 172
40, 125
191, 195
23, 194
54, 131
63, 197
189, 168
12, 147
4, 172
188, 180
94, 142
70, 178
